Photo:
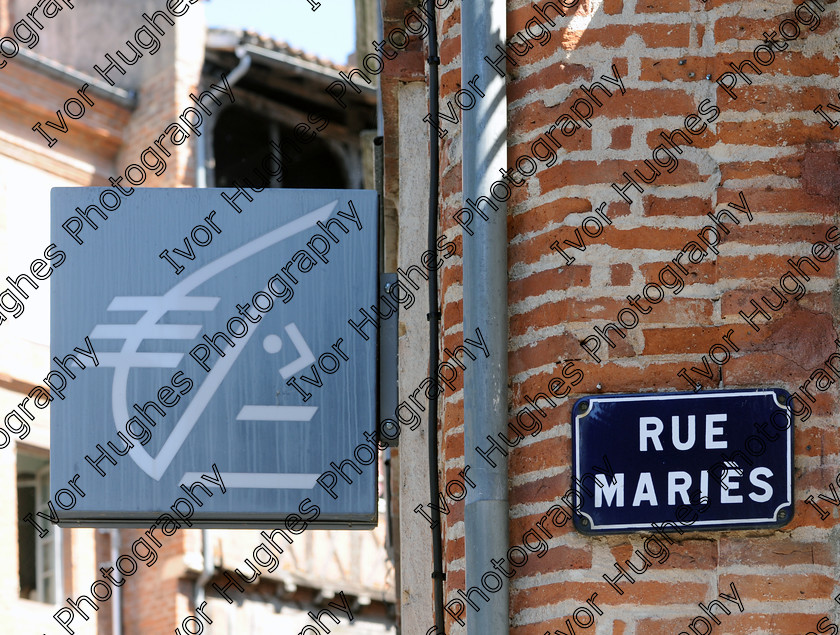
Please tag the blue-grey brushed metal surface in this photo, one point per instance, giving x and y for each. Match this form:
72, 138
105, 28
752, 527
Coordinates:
143, 320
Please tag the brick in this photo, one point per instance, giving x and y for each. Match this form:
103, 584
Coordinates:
662, 6
780, 587
798, 334
780, 553
655, 593
455, 418
691, 339
692, 554
621, 137
764, 267
657, 35
618, 209
453, 19
541, 490
573, 310
615, 378
684, 554
454, 441
455, 549
517, 19
537, 116
451, 184
551, 280
453, 313
538, 218
655, 102
748, 622
542, 454
537, 628
817, 442
782, 166
450, 81
547, 594
821, 172
704, 140
766, 133
521, 524
621, 275
545, 351
544, 79
770, 199
705, 272
616, 35
771, 99
538, 383
743, 28
580, 141
524, 252
655, 70
623, 349
740, 28
755, 369
642, 238
613, 7
452, 275
789, 235
793, 64
816, 481
559, 558
610, 171
778, 623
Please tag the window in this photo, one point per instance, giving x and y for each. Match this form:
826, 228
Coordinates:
243, 138
39, 559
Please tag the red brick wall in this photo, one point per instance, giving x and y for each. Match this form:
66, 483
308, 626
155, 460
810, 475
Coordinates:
157, 598
170, 77
767, 144
4, 16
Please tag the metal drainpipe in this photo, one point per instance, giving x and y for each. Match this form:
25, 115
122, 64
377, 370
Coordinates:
233, 77
208, 571
116, 616
201, 151
485, 307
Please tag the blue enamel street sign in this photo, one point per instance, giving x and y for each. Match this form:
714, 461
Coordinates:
224, 378
685, 461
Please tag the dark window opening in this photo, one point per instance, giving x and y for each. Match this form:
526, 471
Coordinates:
39, 562
244, 141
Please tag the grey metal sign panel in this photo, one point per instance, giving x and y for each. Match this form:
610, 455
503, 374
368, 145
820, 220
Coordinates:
243, 360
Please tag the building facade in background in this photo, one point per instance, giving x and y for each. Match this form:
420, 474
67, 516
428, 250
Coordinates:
166, 58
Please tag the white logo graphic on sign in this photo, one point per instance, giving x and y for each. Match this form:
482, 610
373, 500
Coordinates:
148, 328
